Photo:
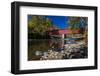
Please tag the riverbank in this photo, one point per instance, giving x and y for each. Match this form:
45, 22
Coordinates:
70, 51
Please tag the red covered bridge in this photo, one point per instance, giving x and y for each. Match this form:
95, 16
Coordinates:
63, 31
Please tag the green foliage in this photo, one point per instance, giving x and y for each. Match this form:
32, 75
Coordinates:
38, 25
73, 22
77, 22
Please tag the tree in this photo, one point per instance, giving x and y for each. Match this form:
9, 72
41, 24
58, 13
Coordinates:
39, 25
77, 23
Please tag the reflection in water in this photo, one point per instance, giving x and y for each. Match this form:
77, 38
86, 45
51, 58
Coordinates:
38, 47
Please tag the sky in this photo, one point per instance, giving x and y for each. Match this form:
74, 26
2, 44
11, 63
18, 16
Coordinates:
59, 21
